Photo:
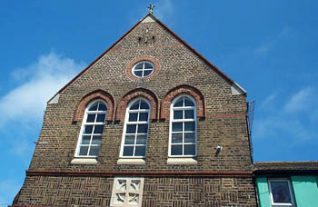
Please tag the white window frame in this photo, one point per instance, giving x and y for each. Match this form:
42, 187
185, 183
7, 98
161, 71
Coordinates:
126, 191
172, 120
273, 204
135, 122
84, 123
143, 69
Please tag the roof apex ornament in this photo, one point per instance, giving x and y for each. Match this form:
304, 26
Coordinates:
151, 7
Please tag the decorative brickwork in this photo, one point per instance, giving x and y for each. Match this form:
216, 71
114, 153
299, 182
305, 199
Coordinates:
131, 64
131, 95
98, 94
175, 92
158, 191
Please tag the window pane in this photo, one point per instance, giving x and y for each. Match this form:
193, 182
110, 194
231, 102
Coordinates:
147, 72
144, 105
142, 128
140, 151
102, 107
280, 191
178, 115
148, 65
189, 126
90, 118
100, 117
130, 139
189, 114
94, 150
98, 129
141, 139
131, 128
176, 127
128, 151
176, 138
189, 149
143, 116
133, 116
139, 66
135, 106
86, 139
188, 102
83, 150
97, 140
176, 150
189, 137
93, 107
179, 103
88, 129
138, 73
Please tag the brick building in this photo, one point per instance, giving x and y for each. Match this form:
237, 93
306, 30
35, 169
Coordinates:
149, 123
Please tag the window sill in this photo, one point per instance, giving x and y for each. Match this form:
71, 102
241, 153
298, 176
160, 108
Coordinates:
84, 161
130, 161
181, 161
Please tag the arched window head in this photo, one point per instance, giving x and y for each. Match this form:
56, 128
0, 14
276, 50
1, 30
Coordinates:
183, 124
92, 129
136, 129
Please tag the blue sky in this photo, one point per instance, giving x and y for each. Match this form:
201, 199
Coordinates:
269, 47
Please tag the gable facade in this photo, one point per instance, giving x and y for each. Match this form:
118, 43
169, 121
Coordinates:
175, 137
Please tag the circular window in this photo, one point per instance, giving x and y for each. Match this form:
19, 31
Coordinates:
143, 69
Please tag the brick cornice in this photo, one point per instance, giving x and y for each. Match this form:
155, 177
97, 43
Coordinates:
98, 94
182, 89
160, 173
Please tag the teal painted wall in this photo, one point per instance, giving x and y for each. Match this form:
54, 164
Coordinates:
305, 190
262, 192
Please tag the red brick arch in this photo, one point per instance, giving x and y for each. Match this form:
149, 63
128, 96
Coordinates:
98, 94
182, 89
138, 92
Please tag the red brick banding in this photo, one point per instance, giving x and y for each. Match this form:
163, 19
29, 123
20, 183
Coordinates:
138, 92
161, 173
182, 89
151, 59
98, 94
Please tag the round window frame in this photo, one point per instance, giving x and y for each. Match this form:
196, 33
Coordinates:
134, 61
143, 69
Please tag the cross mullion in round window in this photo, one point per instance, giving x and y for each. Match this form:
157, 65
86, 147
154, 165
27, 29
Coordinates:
136, 129
183, 128
92, 129
143, 69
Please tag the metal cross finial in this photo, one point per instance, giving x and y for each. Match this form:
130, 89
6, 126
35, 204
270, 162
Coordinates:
151, 8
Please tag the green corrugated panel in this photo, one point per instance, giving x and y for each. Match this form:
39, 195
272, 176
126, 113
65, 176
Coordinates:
262, 191
305, 190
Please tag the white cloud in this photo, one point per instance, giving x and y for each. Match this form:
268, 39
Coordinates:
293, 119
38, 83
266, 47
22, 107
269, 101
300, 101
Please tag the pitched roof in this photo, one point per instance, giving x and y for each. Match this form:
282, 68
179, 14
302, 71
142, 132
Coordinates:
306, 167
212, 66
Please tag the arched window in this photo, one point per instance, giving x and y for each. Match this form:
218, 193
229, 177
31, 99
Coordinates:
183, 127
92, 129
136, 129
